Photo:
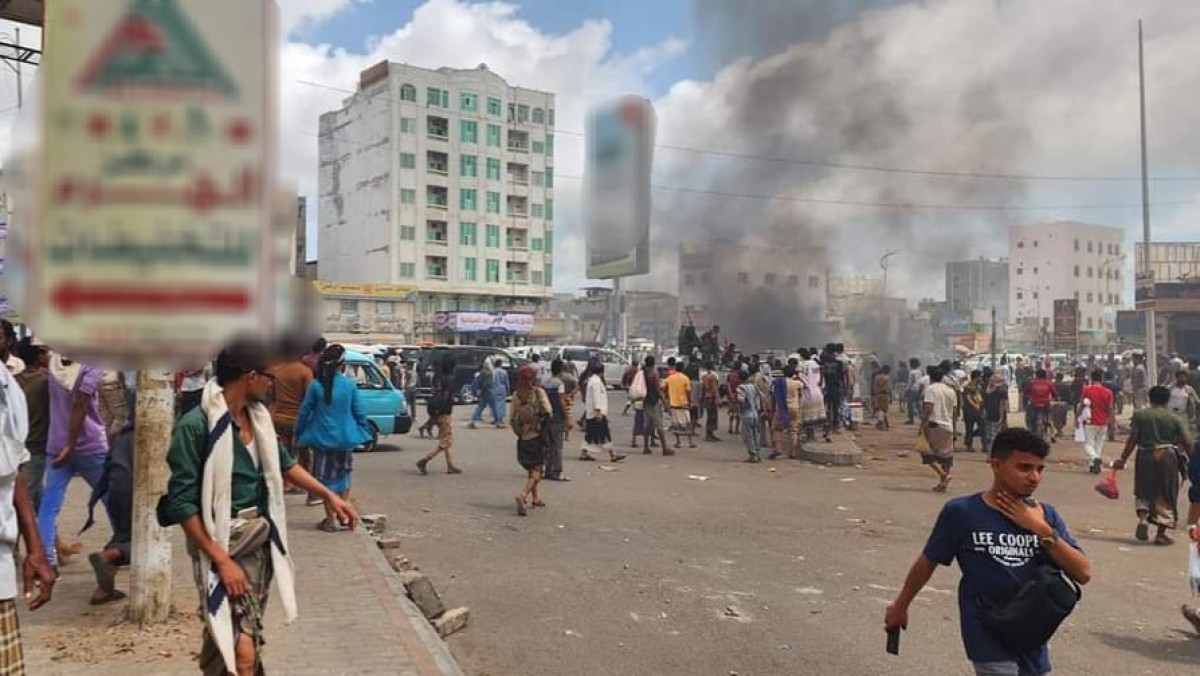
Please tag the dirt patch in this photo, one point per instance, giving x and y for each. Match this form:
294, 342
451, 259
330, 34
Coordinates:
105, 637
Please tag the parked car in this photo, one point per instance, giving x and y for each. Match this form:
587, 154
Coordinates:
468, 359
614, 364
387, 410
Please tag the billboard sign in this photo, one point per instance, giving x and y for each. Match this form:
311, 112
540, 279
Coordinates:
151, 236
620, 152
519, 323
1066, 324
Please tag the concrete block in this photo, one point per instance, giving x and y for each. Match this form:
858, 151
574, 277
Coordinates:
401, 563
423, 594
408, 577
451, 621
843, 454
388, 543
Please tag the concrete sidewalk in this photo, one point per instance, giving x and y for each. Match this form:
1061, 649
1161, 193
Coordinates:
354, 617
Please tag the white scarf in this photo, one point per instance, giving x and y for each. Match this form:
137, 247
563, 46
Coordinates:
66, 375
216, 507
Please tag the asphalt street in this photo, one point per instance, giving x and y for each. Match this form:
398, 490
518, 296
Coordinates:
778, 568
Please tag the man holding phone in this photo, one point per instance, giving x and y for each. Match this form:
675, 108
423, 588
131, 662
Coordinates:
999, 537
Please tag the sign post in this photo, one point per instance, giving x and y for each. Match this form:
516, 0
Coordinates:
147, 240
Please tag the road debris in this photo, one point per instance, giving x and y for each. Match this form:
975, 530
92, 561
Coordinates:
698, 477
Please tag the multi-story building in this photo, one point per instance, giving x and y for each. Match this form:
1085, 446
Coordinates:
1061, 260
443, 180
763, 294
977, 285
1175, 296
1169, 261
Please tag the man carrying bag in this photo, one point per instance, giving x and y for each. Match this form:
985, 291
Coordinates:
1020, 565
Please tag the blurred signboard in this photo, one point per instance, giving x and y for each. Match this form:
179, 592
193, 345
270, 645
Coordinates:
1066, 324
152, 234
22, 11
619, 152
485, 322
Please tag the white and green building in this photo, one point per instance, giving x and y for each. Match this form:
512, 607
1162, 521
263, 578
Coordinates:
442, 179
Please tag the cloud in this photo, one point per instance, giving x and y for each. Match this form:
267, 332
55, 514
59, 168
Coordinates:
298, 16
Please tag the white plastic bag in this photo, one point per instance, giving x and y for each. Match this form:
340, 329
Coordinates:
1194, 567
1080, 436
637, 389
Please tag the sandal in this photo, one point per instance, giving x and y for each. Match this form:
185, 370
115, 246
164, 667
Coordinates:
520, 505
1142, 533
106, 575
586, 458
108, 597
1164, 540
615, 457
327, 526
539, 503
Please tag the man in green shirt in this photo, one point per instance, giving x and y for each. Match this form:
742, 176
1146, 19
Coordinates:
226, 491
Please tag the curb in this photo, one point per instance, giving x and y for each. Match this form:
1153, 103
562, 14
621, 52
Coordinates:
423, 639
838, 456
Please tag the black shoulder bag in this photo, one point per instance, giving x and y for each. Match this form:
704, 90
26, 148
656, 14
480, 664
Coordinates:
1030, 618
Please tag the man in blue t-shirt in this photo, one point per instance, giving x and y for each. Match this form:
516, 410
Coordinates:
998, 537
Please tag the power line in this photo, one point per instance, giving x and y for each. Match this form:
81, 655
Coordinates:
908, 206
858, 167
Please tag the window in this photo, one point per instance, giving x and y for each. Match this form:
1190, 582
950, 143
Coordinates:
1076, 295
535, 244
493, 236
468, 131
549, 209
549, 145
539, 147
493, 169
493, 135
522, 113
408, 93
814, 282
1020, 295
1089, 246
437, 127
1090, 272
408, 196
435, 231
1020, 271
1076, 270
468, 102
466, 199
549, 242
435, 267
793, 281
550, 117
408, 270
408, 125
1035, 243
493, 107
689, 279
539, 116
1020, 244
408, 161
549, 177
493, 270
493, 202
1089, 322
348, 306
408, 233
1035, 270
535, 210
466, 234
1035, 295
466, 165
469, 269
743, 278
549, 275
1077, 245
437, 97
1117, 250
1089, 297
537, 177
769, 279
385, 307
535, 277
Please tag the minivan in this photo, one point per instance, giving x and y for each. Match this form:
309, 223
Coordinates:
387, 410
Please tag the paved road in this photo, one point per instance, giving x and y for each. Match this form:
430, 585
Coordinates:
643, 570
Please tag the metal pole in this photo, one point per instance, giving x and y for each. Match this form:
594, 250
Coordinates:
1151, 329
20, 87
993, 338
150, 566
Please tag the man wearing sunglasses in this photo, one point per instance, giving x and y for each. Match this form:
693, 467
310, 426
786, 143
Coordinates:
226, 491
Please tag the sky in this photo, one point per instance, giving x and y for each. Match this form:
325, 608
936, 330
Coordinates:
812, 98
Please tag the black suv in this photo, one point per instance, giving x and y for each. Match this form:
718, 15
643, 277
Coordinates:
468, 359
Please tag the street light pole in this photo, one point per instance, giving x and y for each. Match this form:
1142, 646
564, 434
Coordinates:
883, 263
1151, 329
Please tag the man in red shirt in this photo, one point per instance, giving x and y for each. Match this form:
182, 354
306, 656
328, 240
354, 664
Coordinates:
1040, 393
1095, 431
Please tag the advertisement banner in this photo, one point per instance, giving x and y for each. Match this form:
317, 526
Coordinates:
1066, 324
619, 153
518, 323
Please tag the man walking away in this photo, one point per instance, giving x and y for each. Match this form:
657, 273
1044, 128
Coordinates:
653, 409
35, 385
1100, 399
292, 378
553, 385
937, 421
226, 492
485, 385
995, 409
441, 409
749, 406
972, 409
1140, 381
1000, 538
1183, 398
1040, 394
916, 393
711, 400
596, 434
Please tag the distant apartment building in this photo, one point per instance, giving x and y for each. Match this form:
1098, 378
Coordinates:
442, 180
979, 284
1061, 260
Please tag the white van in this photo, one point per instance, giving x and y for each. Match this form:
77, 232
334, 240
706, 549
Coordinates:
615, 365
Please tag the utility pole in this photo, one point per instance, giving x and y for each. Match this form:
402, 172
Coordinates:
150, 565
993, 350
1151, 328
883, 263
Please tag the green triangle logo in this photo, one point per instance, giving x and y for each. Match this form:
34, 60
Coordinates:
155, 48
